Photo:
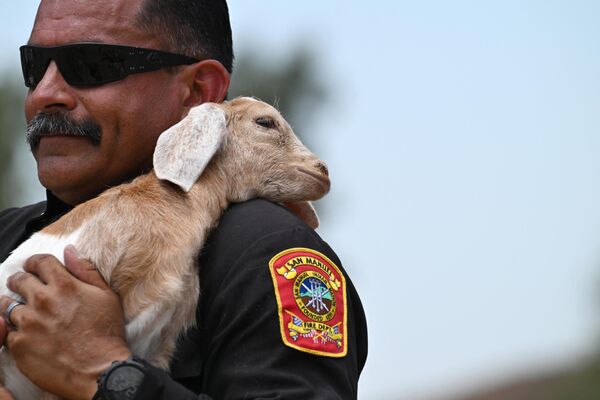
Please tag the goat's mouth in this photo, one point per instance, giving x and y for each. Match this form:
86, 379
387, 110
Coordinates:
322, 179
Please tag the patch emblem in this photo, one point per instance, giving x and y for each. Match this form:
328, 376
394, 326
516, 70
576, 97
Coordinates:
311, 300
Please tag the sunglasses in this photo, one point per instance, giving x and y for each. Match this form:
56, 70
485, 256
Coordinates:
93, 64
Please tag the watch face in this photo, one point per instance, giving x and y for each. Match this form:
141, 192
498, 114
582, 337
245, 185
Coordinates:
123, 382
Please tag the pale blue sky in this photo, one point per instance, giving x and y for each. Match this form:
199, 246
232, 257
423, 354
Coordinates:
462, 139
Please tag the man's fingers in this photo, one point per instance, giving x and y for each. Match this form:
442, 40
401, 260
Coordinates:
48, 268
25, 285
45, 266
13, 315
83, 269
3, 333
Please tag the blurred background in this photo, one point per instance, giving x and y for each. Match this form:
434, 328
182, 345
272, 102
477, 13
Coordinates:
463, 140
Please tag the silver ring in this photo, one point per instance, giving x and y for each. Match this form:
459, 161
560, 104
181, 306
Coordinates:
13, 304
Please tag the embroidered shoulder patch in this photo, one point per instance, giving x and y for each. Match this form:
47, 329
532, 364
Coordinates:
311, 300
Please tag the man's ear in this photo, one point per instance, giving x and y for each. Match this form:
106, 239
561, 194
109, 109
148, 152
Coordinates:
207, 82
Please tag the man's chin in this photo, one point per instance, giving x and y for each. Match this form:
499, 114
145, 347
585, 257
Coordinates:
68, 186
56, 169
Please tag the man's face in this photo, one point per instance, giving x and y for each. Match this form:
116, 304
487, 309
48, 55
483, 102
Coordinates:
131, 113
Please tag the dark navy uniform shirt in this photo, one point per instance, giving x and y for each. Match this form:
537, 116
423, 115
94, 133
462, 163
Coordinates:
236, 351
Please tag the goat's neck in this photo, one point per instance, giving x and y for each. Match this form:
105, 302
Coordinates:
208, 197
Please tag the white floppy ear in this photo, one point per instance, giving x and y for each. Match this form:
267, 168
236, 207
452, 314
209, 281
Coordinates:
183, 151
306, 212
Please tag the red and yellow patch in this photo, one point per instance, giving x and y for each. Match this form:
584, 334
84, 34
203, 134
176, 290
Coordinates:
311, 300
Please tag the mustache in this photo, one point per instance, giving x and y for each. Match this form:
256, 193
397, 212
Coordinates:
60, 123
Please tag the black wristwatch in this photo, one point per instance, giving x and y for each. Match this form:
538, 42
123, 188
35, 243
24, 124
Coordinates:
121, 380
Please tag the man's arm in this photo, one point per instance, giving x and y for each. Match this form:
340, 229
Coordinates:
238, 348
247, 350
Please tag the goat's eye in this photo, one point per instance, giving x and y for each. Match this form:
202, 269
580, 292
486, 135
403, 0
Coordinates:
266, 122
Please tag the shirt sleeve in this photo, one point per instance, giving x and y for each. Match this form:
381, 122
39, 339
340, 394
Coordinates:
244, 353
158, 385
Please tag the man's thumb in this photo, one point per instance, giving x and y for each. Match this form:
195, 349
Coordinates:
82, 269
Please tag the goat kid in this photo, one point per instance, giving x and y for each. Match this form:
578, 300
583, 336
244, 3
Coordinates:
144, 236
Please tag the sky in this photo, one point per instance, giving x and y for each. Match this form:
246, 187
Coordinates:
462, 140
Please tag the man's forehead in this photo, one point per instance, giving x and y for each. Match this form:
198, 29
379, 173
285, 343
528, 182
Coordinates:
71, 21
90, 8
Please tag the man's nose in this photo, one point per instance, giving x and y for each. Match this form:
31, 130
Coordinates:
51, 94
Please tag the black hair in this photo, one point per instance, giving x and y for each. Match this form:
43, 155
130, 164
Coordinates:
196, 28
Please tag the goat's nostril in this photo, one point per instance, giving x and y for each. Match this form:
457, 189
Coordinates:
323, 168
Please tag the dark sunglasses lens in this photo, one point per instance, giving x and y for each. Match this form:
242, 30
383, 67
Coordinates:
90, 65
34, 63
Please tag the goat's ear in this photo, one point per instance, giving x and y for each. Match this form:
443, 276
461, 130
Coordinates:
183, 151
306, 212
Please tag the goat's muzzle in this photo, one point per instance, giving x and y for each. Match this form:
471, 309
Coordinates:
321, 166
320, 174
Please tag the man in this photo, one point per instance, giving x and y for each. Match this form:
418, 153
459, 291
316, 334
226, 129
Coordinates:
94, 114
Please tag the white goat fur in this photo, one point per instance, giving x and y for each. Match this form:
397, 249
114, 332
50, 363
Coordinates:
144, 236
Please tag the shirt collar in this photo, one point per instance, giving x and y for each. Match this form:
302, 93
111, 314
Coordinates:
55, 208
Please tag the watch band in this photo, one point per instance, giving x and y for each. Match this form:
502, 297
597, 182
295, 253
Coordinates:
121, 380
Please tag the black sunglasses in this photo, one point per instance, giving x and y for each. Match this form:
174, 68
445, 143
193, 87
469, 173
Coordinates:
92, 64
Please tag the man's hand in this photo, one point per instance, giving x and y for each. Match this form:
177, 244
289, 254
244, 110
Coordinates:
71, 327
